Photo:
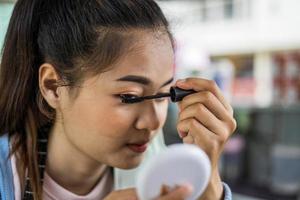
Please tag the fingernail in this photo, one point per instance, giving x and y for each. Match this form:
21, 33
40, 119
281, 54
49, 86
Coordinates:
182, 134
189, 187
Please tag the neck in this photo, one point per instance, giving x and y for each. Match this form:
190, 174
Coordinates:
69, 167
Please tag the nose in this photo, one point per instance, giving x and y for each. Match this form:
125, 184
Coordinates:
149, 117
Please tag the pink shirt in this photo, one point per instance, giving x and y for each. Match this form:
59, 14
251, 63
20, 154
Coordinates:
53, 191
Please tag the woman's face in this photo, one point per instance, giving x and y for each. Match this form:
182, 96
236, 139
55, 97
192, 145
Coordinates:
108, 131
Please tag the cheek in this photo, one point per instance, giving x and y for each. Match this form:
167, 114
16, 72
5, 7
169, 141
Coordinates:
162, 113
102, 118
97, 128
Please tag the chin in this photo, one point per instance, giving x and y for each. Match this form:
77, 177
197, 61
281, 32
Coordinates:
129, 163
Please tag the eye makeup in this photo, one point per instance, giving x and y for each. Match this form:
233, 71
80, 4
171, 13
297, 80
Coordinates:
176, 94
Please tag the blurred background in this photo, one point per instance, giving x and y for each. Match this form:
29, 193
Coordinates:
251, 48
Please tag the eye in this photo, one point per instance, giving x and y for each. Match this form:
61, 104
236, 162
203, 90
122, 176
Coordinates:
129, 98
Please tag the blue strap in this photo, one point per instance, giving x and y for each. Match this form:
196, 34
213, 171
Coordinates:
227, 192
6, 175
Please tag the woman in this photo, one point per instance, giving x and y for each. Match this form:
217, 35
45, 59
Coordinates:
65, 68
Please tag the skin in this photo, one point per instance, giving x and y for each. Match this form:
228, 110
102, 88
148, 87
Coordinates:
93, 130
206, 119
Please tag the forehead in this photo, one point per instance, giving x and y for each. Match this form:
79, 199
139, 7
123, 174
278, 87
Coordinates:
152, 56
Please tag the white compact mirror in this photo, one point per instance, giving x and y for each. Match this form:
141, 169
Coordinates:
178, 164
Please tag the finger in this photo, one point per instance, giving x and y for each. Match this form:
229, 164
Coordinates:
125, 194
199, 134
179, 105
199, 84
188, 139
179, 193
192, 128
205, 117
209, 100
183, 127
164, 190
210, 143
128, 192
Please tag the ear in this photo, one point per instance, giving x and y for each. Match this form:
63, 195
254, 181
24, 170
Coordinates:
48, 83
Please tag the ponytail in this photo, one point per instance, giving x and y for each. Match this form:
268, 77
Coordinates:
19, 87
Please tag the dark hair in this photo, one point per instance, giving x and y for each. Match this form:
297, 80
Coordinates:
78, 37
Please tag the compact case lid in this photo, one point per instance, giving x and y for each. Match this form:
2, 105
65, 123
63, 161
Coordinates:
178, 164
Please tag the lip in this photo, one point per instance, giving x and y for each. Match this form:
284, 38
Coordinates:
138, 147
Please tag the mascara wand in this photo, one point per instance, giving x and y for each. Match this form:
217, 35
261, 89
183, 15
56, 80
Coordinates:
176, 94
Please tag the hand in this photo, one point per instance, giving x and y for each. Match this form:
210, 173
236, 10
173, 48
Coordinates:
179, 193
206, 120
126, 194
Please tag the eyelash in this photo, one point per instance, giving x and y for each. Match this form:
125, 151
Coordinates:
120, 96
128, 96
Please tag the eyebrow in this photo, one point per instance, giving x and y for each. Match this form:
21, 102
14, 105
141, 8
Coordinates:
142, 80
